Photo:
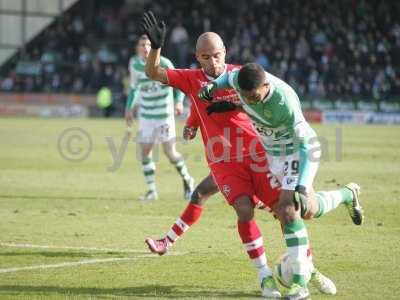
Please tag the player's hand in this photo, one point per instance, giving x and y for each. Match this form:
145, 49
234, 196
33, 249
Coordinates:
206, 92
135, 110
154, 29
129, 121
178, 108
300, 199
189, 133
219, 107
129, 117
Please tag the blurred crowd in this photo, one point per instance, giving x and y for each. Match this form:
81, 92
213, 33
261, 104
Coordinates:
324, 49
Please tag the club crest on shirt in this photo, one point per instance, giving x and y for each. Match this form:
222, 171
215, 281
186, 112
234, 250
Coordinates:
226, 189
267, 113
202, 83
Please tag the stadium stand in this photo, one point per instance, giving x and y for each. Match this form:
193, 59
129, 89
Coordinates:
332, 52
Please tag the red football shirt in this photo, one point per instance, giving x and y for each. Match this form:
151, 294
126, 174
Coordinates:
227, 136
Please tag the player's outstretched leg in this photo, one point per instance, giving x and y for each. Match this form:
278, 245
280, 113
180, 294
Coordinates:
354, 207
347, 195
159, 247
189, 216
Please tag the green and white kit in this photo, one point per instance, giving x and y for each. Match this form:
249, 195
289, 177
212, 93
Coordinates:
293, 150
155, 101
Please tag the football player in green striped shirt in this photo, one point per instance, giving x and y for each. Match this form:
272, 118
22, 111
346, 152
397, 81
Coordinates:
156, 104
293, 153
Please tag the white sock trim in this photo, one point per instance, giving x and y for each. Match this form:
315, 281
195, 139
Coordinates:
298, 234
182, 225
172, 235
254, 244
260, 262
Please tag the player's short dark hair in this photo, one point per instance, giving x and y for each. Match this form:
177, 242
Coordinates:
251, 76
141, 38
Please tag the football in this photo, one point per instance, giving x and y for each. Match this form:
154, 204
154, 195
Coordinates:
284, 271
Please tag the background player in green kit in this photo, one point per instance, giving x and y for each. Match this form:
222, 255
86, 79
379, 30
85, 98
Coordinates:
293, 154
156, 107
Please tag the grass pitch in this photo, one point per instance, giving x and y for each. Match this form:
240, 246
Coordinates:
71, 225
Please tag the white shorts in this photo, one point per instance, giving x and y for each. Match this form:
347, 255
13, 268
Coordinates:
286, 170
156, 131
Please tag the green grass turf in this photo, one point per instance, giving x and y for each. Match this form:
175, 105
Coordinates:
47, 200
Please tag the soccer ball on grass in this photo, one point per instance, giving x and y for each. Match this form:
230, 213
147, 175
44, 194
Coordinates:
284, 270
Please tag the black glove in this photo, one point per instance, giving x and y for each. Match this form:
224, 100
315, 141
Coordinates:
300, 199
219, 107
154, 29
206, 92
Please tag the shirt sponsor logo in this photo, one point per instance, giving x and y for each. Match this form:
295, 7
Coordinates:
290, 180
263, 130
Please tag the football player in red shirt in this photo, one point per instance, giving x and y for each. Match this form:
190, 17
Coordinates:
234, 154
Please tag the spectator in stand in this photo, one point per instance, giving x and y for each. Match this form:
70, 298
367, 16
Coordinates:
179, 44
352, 45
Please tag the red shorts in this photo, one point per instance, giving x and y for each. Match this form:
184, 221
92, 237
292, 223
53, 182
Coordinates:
249, 177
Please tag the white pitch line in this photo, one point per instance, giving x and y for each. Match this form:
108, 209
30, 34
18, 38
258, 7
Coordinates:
15, 245
33, 246
67, 264
81, 262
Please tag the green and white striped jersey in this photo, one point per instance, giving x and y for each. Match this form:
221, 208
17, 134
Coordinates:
278, 119
155, 100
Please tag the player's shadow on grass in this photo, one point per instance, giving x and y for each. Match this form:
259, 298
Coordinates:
145, 291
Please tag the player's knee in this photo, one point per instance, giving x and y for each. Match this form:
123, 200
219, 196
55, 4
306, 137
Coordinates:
286, 211
312, 207
288, 216
197, 198
308, 215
